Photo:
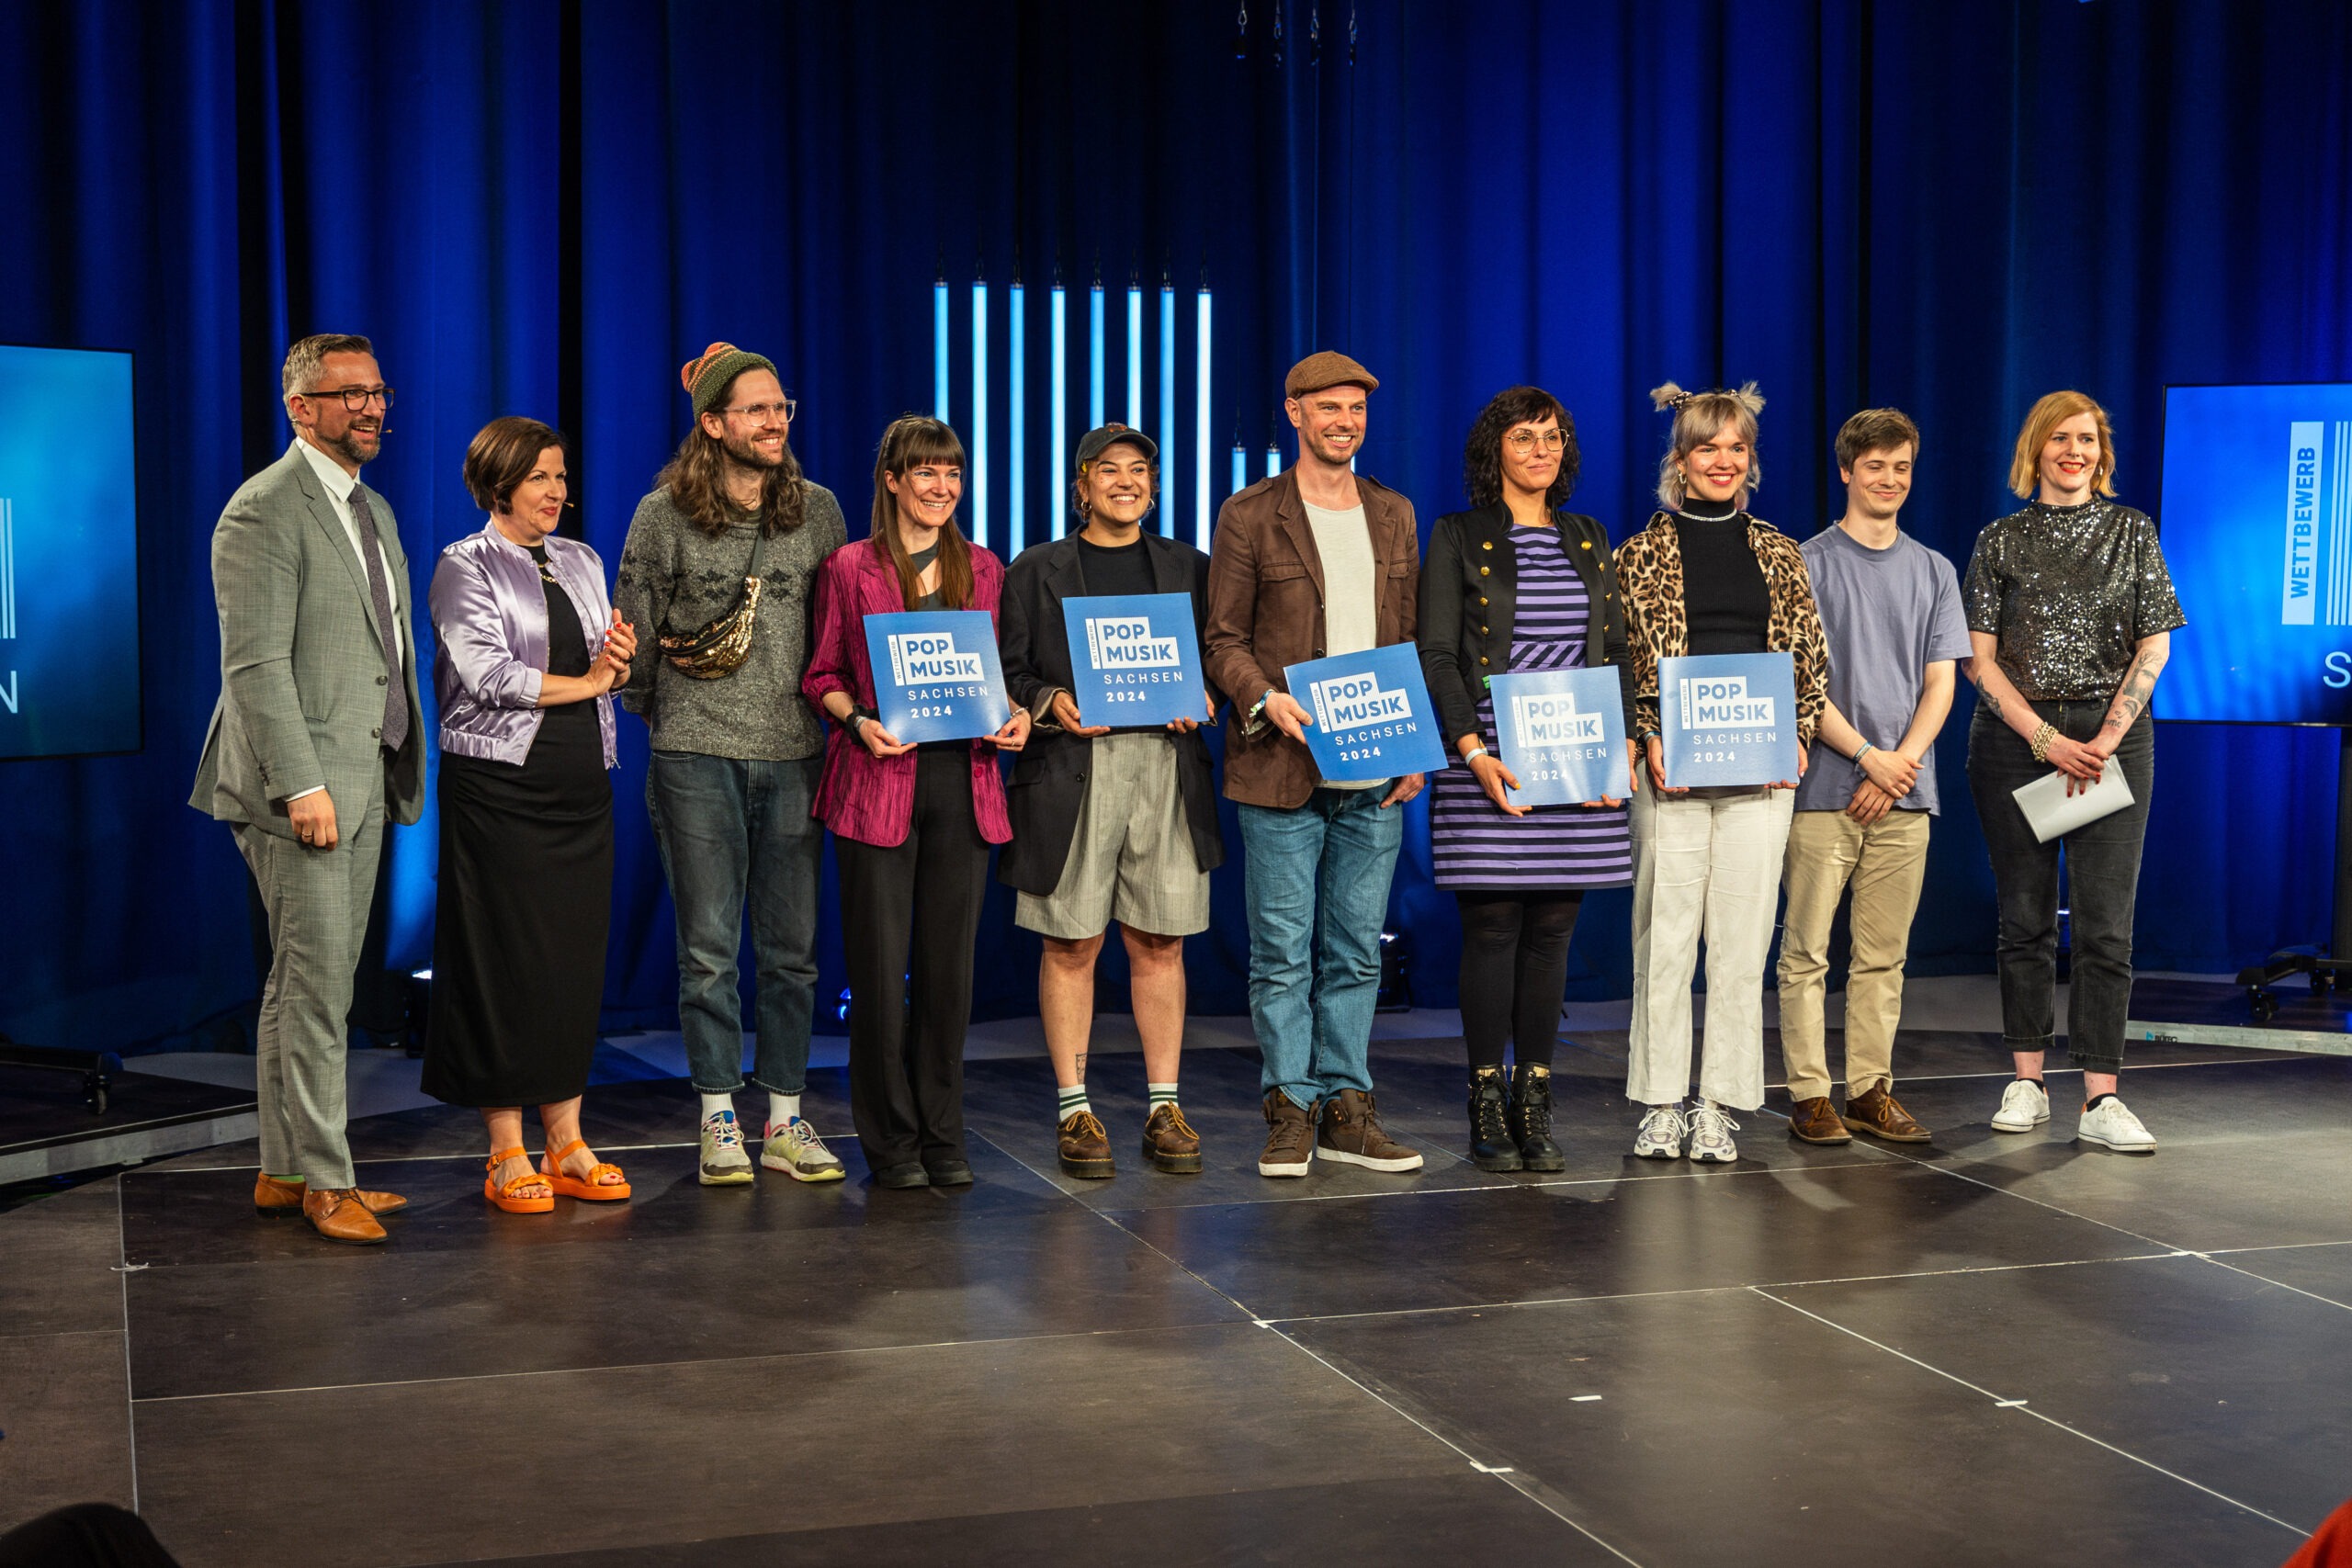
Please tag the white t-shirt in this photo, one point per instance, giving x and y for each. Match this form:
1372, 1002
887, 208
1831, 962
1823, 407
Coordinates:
1350, 605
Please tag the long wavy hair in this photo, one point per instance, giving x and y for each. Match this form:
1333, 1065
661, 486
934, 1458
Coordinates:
1482, 455
1697, 417
695, 478
910, 440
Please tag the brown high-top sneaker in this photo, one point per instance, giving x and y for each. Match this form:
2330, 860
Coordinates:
1085, 1148
1352, 1134
1814, 1121
1169, 1143
339, 1216
1290, 1137
1878, 1114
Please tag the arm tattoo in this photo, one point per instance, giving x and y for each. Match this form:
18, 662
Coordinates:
2131, 697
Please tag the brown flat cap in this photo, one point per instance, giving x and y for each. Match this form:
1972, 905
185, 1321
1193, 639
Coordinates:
1318, 371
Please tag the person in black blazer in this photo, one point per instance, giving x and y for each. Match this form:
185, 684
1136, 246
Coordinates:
1517, 584
1107, 824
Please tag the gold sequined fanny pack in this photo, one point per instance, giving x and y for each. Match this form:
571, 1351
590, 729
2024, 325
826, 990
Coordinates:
719, 646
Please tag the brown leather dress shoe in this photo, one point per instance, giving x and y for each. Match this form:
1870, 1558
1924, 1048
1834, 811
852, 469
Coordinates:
283, 1200
1085, 1148
339, 1216
1815, 1122
1169, 1143
1878, 1114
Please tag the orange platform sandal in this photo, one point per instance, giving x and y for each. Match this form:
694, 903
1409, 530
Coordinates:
504, 1197
595, 1189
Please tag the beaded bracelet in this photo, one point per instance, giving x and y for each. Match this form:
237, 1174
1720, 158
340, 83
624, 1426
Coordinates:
2039, 744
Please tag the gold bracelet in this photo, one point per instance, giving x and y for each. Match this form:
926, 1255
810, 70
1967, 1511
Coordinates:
2039, 744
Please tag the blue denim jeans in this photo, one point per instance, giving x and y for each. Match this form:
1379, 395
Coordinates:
1317, 884
735, 831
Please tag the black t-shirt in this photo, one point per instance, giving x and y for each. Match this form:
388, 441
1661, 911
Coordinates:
1724, 591
565, 725
1115, 569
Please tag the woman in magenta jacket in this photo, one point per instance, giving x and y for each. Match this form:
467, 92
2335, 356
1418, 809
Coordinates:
905, 816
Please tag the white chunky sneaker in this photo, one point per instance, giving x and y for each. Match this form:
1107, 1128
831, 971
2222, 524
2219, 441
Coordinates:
2110, 1123
795, 1149
1710, 1133
724, 1163
2025, 1105
1660, 1133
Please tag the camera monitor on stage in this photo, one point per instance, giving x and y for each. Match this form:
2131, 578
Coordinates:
2256, 521
69, 555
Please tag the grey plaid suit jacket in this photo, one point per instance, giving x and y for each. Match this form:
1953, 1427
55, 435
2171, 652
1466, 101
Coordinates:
302, 658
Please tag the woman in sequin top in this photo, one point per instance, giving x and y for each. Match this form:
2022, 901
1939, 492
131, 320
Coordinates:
2071, 612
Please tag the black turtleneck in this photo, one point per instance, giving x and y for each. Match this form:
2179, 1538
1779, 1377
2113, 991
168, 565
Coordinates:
1723, 592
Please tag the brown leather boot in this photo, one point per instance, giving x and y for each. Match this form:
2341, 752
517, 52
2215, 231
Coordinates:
1169, 1143
339, 1216
1290, 1137
1084, 1147
1878, 1114
1352, 1134
283, 1200
1815, 1122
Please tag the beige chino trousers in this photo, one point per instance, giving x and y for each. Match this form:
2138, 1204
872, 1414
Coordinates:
1884, 865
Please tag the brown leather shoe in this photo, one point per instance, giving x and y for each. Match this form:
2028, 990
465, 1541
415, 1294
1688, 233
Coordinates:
1085, 1148
1352, 1134
1169, 1143
339, 1216
1815, 1122
283, 1200
1290, 1137
1878, 1114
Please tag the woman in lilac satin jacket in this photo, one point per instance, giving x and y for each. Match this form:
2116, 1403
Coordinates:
530, 652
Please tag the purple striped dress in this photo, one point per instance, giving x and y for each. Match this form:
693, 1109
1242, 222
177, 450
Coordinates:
1475, 848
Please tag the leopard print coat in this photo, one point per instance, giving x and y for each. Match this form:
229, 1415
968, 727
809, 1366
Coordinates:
1649, 570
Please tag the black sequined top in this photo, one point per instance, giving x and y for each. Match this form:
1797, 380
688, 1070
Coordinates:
2070, 591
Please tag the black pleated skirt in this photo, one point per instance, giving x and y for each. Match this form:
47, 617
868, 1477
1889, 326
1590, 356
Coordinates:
525, 906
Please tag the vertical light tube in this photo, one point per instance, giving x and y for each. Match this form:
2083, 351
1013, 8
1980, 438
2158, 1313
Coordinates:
1240, 468
939, 351
1166, 408
1016, 460
1059, 474
1273, 461
1094, 357
977, 487
1135, 355
1200, 428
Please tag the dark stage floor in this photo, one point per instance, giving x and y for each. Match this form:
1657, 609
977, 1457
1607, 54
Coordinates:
2000, 1349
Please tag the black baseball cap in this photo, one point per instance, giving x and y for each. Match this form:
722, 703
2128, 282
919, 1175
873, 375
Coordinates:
1091, 445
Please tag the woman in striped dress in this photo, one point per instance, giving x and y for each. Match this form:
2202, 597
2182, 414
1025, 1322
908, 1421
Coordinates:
1515, 585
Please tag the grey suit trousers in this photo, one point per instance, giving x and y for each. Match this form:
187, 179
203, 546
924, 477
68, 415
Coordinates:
318, 903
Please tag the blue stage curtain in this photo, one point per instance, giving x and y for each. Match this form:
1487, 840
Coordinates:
545, 209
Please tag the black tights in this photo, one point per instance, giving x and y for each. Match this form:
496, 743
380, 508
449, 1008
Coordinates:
1514, 973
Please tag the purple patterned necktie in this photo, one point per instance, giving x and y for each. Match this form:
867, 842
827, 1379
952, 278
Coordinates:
395, 689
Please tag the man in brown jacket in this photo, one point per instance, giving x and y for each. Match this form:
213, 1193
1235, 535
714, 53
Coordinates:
1309, 564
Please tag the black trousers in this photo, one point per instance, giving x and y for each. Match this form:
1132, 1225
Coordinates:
909, 917
2103, 877
1514, 973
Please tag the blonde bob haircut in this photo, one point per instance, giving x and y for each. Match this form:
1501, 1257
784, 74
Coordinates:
2054, 410
1697, 417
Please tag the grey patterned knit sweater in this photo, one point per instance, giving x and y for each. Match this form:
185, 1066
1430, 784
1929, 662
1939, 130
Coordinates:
675, 575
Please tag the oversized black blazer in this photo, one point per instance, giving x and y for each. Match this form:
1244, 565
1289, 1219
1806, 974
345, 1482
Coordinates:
1470, 593
1049, 776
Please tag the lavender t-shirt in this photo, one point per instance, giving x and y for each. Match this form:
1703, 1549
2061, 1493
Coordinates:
1889, 613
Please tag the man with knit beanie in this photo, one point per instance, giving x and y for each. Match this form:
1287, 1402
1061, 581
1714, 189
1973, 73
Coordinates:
733, 533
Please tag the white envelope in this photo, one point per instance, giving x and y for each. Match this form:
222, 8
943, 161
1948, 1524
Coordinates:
2049, 810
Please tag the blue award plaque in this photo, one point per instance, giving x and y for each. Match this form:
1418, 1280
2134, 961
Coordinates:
1728, 718
936, 675
1371, 714
1562, 734
1134, 658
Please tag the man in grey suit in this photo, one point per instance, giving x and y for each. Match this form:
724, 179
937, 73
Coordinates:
317, 740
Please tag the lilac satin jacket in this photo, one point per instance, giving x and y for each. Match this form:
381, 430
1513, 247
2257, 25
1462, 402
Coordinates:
489, 615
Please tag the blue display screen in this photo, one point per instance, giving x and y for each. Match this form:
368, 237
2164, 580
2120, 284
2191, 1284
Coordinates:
69, 555
2256, 523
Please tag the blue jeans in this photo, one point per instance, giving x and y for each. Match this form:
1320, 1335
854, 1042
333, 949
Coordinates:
1317, 883
733, 831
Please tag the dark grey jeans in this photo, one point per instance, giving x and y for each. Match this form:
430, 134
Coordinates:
2103, 870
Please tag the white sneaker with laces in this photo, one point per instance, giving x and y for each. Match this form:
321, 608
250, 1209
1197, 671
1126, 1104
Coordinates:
1660, 1133
797, 1150
1710, 1133
724, 1164
2111, 1123
2025, 1105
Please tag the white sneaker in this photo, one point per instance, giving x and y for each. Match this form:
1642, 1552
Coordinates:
2111, 1122
1660, 1133
795, 1149
1710, 1133
724, 1164
2024, 1106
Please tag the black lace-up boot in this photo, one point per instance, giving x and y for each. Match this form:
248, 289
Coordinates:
1530, 1118
1492, 1147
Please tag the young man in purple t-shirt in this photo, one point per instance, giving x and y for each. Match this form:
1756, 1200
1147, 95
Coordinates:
1892, 609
